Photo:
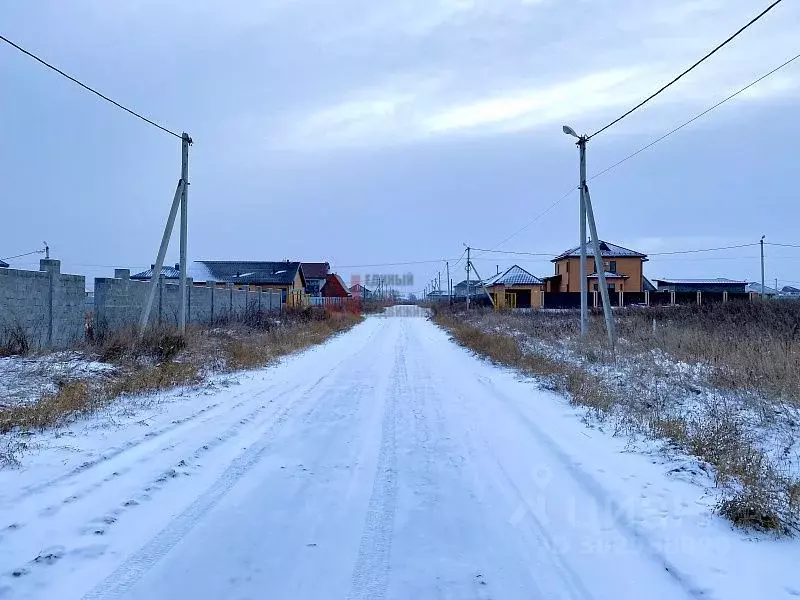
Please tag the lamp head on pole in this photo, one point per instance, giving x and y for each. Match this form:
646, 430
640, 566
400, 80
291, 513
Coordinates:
569, 131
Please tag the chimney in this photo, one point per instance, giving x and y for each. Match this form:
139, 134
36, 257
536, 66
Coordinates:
498, 269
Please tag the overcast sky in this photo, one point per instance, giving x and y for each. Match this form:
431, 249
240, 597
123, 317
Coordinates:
363, 132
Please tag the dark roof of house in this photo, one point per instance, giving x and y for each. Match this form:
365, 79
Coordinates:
359, 288
788, 289
315, 270
251, 272
516, 275
647, 285
606, 250
472, 282
167, 272
3, 264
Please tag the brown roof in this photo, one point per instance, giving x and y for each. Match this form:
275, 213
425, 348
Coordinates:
335, 287
315, 270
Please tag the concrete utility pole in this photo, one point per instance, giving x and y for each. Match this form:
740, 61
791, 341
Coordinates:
762, 266
447, 264
597, 268
180, 199
440, 284
162, 251
588, 214
480, 279
468, 265
601, 271
582, 268
185, 142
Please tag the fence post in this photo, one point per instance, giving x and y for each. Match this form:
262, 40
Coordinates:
724, 297
230, 295
699, 298
647, 298
672, 298
594, 299
53, 268
621, 299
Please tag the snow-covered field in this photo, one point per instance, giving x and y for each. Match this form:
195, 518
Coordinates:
386, 463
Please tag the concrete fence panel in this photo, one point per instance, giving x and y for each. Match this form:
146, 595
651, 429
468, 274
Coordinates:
45, 308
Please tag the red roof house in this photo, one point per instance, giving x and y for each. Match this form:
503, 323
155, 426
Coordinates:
334, 287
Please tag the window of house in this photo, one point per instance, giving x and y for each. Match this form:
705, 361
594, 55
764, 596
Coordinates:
612, 266
611, 287
595, 287
567, 266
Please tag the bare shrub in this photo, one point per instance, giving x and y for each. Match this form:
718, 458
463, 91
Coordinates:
151, 379
11, 449
14, 340
160, 343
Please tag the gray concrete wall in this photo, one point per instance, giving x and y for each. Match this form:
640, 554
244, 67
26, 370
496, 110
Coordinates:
48, 307
119, 300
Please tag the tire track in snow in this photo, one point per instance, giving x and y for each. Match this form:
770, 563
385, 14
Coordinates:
370, 578
123, 579
158, 435
151, 436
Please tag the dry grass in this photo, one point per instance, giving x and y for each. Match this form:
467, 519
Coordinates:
756, 493
163, 359
753, 346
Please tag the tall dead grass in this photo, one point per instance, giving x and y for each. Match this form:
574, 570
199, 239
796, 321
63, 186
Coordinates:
753, 346
164, 359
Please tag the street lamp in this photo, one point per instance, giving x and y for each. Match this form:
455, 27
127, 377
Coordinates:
584, 284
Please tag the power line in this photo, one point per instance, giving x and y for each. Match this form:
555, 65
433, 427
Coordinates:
396, 264
25, 254
782, 245
460, 258
707, 56
537, 217
703, 250
86, 87
693, 119
520, 253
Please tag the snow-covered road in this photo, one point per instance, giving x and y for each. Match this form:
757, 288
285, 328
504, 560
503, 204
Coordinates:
387, 463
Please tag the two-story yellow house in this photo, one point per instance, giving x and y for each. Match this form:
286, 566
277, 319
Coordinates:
623, 269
